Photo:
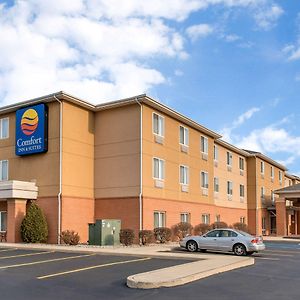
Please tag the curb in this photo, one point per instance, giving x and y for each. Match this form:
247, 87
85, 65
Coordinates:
152, 279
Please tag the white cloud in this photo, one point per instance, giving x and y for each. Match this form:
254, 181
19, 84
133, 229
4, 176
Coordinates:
226, 132
266, 18
197, 31
96, 49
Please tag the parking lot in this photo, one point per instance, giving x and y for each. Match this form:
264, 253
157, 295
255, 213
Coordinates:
35, 274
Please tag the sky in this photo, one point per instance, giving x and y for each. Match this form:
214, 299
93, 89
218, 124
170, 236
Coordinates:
230, 65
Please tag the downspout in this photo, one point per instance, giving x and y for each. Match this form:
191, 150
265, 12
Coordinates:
60, 172
141, 166
256, 201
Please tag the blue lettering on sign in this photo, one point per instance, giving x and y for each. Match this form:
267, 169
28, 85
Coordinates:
32, 130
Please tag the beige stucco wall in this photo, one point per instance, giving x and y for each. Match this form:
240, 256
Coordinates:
170, 151
221, 171
117, 148
78, 151
43, 168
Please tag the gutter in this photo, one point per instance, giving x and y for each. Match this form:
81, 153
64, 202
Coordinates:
141, 166
60, 172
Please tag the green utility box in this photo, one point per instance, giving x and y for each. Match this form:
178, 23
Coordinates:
105, 232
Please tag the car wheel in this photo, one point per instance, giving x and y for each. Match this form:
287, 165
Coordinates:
192, 246
239, 249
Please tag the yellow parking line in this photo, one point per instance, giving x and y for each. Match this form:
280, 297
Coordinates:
93, 267
5, 250
27, 254
44, 261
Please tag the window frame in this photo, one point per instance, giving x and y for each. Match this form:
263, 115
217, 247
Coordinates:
272, 172
2, 229
229, 183
153, 168
160, 117
1, 170
3, 136
160, 214
216, 153
242, 165
185, 214
205, 217
204, 184
242, 190
185, 177
204, 149
262, 167
185, 136
216, 184
229, 158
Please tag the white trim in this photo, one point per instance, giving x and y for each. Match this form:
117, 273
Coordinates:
206, 139
153, 173
163, 127
185, 136
187, 177
1, 122
1, 163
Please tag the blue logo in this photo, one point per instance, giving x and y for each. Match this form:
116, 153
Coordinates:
32, 130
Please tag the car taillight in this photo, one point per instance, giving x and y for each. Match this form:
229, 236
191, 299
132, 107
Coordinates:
255, 241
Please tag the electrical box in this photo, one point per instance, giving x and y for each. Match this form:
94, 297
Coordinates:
105, 232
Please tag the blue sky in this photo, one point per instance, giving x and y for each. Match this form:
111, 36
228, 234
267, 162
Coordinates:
231, 65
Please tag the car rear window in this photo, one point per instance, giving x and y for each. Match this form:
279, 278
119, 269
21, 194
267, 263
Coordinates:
243, 233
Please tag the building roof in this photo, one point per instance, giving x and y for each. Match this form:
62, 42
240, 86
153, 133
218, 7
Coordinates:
289, 189
113, 104
232, 148
291, 176
267, 159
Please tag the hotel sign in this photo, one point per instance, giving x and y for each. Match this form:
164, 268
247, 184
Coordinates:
32, 130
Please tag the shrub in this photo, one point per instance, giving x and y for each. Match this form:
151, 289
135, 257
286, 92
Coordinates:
146, 236
182, 229
34, 227
201, 229
126, 237
241, 226
70, 237
162, 234
219, 225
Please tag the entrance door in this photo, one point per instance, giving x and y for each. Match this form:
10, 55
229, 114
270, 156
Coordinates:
273, 224
292, 225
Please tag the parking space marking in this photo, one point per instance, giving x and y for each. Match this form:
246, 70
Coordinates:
6, 250
93, 267
275, 254
27, 254
266, 258
278, 251
45, 261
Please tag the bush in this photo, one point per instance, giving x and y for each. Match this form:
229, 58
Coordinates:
126, 237
182, 229
70, 237
146, 236
241, 226
201, 229
219, 225
162, 234
34, 227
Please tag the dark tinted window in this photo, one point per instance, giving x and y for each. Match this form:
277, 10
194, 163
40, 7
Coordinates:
214, 233
228, 233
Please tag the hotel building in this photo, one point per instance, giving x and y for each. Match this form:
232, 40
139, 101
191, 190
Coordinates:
136, 160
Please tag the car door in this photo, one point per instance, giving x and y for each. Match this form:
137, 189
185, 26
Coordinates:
210, 240
226, 240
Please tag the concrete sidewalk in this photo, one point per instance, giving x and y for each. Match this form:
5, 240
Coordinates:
205, 264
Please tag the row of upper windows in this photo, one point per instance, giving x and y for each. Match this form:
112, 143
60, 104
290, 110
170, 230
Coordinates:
158, 129
159, 174
262, 171
4, 128
160, 218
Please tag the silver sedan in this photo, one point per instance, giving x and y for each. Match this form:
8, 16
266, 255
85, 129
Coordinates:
224, 239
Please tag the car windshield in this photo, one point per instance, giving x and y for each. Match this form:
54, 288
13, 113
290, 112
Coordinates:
243, 233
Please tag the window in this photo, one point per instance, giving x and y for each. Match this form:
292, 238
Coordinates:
3, 218
273, 198
272, 172
229, 159
242, 190
3, 169
216, 184
4, 128
242, 220
263, 225
229, 187
241, 163
216, 152
159, 219
185, 217
204, 145
227, 233
158, 168
218, 218
204, 180
262, 192
280, 176
262, 167
184, 175
214, 233
183, 135
158, 124
206, 218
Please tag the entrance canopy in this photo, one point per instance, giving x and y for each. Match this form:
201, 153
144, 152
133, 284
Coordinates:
14, 189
